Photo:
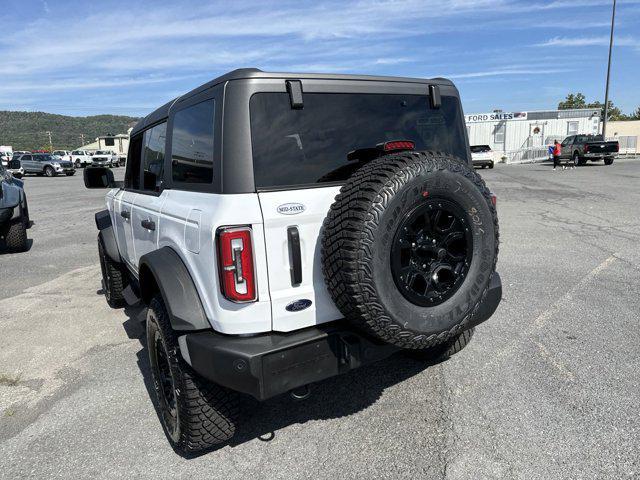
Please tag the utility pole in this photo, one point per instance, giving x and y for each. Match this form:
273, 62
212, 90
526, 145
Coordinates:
606, 92
50, 142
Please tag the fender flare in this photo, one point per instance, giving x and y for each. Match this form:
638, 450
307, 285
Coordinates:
107, 236
163, 270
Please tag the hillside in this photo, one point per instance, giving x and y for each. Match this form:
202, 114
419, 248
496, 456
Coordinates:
27, 130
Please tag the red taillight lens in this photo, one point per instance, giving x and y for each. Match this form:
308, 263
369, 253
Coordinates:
398, 145
617, 147
235, 257
586, 149
494, 199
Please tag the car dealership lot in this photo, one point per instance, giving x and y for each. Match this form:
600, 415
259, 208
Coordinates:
548, 388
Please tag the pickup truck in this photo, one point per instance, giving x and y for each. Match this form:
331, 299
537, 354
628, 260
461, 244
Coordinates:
581, 148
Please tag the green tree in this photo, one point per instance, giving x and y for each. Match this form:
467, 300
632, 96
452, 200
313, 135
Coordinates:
578, 100
573, 100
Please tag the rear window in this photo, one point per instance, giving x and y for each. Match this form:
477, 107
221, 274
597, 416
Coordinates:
480, 148
310, 145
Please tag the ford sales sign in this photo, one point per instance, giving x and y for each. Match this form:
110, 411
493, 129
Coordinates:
495, 117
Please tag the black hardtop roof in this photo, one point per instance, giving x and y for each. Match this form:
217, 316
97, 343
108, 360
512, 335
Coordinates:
255, 73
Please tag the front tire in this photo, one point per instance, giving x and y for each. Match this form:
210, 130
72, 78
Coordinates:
113, 281
16, 237
195, 414
49, 172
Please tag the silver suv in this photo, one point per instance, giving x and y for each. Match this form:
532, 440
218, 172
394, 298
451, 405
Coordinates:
45, 164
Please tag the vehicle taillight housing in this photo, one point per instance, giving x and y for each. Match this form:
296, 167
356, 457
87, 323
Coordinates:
494, 199
235, 260
586, 149
617, 147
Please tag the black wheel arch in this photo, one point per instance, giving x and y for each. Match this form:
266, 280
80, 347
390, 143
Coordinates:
107, 235
163, 271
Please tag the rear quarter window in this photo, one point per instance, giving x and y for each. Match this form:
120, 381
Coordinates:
192, 144
310, 145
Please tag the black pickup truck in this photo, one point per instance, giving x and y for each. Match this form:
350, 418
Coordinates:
581, 148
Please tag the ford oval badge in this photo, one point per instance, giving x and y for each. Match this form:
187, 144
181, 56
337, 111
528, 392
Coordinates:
298, 305
291, 208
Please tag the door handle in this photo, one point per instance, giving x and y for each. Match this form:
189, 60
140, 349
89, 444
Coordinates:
125, 214
148, 224
296, 257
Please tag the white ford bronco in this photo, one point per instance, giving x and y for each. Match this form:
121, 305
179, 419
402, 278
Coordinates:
287, 228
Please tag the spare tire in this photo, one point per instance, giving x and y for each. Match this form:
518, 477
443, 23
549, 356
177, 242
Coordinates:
409, 248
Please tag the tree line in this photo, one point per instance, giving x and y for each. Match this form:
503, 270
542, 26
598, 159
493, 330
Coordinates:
578, 100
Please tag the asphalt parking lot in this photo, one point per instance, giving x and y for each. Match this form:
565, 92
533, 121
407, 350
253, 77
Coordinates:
548, 388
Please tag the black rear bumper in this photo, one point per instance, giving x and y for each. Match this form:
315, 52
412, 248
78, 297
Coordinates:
270, 364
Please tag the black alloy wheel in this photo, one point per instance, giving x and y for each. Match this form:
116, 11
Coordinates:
432, 252
164, 385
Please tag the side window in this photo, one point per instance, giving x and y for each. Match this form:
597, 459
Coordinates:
572, 128
132, 174
192, 144
109, 142
153, 157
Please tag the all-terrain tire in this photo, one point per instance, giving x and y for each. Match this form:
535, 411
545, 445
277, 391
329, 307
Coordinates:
359, 233
195, 413
16, 237
113, 279
443, 350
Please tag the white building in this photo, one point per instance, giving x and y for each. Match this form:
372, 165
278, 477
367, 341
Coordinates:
117, 143
511, 133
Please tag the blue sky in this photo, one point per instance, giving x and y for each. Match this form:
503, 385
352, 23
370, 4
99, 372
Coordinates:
127, 57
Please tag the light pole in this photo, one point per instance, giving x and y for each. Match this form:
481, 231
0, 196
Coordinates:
606, 92
50, 142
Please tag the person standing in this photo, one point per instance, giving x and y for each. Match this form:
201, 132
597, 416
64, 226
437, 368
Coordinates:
557, 150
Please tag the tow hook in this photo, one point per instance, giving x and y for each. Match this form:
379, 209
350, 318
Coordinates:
300, 393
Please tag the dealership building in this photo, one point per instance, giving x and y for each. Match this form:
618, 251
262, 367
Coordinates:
510, 132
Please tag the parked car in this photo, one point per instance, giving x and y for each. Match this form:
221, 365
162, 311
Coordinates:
15, 168
14, 213
257, 283
105, 158
81, 158
45, 164
5, 158
63, 154
580, 148
481, 156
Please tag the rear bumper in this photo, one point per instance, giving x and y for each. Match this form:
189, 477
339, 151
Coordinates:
600, 155
482, 163
270, 364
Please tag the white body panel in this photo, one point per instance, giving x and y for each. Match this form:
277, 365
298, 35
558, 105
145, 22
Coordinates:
190, 232
316, 203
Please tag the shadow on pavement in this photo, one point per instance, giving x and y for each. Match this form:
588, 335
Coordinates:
332, 398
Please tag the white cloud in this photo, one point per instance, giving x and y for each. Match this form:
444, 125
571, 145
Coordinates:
595, 41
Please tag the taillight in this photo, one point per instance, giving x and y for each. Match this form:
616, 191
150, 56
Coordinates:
617, 147
235, 257
398, 145
494, 199
586, 149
